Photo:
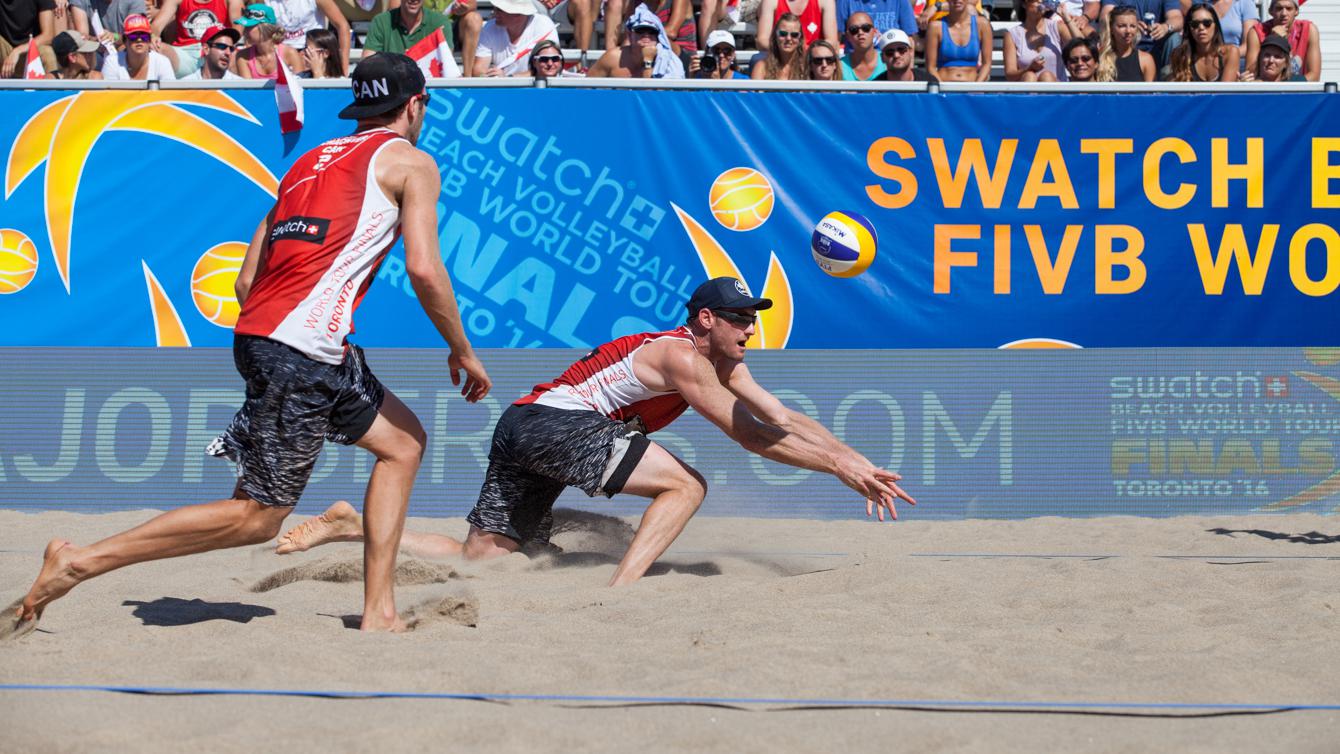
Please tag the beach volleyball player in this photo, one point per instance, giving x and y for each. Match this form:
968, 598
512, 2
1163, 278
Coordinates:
339, 209
588, 429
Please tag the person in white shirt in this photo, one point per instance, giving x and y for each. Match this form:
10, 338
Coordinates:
138, 61
217, 46
506, 41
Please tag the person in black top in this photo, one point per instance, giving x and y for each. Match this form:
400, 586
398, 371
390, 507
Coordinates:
19, 20
896, 47
1121, 58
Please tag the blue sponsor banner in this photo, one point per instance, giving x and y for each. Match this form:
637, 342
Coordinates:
570, 216
1006, 434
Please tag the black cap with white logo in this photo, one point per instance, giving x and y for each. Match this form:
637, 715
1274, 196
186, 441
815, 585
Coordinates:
382, 83
724, 293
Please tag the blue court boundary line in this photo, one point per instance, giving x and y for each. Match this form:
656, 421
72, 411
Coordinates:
599, 699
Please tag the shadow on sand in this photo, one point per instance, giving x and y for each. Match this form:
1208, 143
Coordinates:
172, 611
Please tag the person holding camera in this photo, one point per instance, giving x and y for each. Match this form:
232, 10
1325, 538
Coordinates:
719, 60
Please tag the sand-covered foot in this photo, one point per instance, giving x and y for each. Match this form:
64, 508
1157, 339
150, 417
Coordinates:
340, 523
375, 624
54, 580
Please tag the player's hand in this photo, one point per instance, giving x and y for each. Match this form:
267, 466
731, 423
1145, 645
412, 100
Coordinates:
878, 486
477, 382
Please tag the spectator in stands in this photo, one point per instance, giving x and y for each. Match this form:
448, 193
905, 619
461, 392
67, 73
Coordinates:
1203, 56
20, 20
934, 10
862, 61
785, 60
823, 61
884, 14
581, 14
298, 17
410, 22
509, 36
1120, 58
1032, 49
359, 14
265, 43
958, 47
219, 44
1160, 27
900, 58
322, 55
1237, 18
546, 61
111, 14
138, 61
719, 60
74, 56
1272, 62
191, 18
647, 53
817, 19
1303, 37
1080, 57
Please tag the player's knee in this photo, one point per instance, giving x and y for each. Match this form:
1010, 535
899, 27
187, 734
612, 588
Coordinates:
258, 523
694, 486
472, 22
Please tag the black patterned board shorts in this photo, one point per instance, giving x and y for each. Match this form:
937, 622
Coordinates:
539, 450
293, 405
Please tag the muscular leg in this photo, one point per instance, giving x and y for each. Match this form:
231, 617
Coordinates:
614, 15
341, 523
397, 440
469, 27
184, 531
676, 491
582, 15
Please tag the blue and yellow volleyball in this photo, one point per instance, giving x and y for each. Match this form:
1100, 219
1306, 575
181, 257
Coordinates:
844, 244
18, 260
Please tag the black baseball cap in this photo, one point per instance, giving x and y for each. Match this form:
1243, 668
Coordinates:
724, 293
382, 83
1278, 42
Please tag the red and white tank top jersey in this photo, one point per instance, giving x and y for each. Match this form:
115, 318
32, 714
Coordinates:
604, 381
194, 17
332, 227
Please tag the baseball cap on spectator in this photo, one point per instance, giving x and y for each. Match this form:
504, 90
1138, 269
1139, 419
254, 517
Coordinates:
515, 7
72, 41
720, 37
894, 37
216, 30
257, 13
382, 83
136, 23
1278, 42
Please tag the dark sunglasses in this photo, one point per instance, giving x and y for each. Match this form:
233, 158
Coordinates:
425, 98
788, 35
896, 50
860, 29
138, 37
724, 51
652, 30
735, 318
1201, 23
221, 46
548, 59
1079, 59
822, 60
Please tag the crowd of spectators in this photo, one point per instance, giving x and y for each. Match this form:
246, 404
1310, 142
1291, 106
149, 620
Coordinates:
837, 40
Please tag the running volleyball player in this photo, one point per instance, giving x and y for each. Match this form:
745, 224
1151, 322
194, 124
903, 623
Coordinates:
588, 429
340, 208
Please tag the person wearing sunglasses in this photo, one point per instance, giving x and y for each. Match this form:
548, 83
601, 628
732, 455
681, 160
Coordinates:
546, 62
646, 54
958, 47
1203, 56
590, 429
719, 60
74, 56
862, 61
785, 58
817, 19
264, 38
1160, 27
900, 58
886, 15
1080, 58
218, 44
138, 61
339, 210
824, 62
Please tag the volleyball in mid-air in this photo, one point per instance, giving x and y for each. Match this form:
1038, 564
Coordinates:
212, 283
844, 244
18, 260
741, 199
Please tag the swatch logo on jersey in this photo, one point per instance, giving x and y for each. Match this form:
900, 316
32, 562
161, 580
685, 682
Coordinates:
310, 229
62, 136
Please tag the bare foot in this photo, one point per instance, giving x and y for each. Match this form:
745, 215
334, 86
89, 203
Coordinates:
380, 624
53, 581
340, 523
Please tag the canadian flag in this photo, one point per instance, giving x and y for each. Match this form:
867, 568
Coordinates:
433, 55
288, 99
34, 69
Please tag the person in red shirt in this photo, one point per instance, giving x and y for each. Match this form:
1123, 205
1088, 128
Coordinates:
588, 429
339, 209
193, 19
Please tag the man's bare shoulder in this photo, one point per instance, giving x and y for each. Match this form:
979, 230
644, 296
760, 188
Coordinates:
401, 164
606, 65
